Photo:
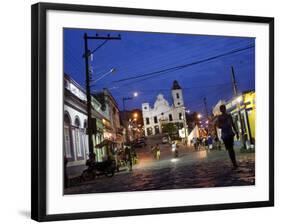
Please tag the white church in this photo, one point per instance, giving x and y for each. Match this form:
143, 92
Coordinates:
162, 112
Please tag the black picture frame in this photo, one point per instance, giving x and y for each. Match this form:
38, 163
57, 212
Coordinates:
39, 122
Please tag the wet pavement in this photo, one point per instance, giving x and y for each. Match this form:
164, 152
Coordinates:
193, 169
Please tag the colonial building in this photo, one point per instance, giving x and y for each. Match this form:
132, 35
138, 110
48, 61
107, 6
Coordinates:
104, 113
112, 125
161, 112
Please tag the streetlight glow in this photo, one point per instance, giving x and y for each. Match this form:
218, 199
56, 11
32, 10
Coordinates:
199, 116
239, 99
135, 94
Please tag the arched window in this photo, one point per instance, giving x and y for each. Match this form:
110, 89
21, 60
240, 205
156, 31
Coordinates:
78, 143
67, 136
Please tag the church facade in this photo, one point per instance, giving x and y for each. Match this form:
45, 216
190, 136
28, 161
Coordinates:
161, 112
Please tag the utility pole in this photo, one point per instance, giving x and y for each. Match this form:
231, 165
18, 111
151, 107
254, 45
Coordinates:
206, 108
88, 53
235, 91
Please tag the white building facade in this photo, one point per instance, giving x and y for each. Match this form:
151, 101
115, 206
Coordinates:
162, 112
106, 116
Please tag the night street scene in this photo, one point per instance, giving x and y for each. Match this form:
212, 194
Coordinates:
157, 111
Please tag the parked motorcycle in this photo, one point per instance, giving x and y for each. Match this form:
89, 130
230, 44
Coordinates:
95, 169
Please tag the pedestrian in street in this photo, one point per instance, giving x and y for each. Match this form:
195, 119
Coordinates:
153, 151
174, 149
217, 143
157, 149
210, 142
129, 158
226, 124
194, 142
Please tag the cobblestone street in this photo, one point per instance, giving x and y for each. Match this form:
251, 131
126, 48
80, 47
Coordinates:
191, 170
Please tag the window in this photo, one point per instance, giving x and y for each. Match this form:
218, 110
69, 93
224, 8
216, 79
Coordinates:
78, 143
156, 129
149, 131
155, 120
178, 96
145, 108
179, 103
67, 136
170, 117
147, 120
180, 116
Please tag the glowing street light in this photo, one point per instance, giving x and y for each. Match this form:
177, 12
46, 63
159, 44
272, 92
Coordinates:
124, 99
239, 99
199, 116
188, 111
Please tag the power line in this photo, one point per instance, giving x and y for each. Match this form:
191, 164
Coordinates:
175, 53
185, 65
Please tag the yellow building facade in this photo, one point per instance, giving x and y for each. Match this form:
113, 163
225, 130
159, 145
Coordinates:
245, 104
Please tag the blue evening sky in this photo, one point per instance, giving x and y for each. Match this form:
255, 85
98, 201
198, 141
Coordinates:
140, 53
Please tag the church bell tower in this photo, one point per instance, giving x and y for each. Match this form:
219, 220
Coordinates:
177, 95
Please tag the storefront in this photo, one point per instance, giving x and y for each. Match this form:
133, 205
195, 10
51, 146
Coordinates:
245, 105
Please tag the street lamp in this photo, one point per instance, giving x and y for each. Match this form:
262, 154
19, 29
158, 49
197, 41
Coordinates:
124, 99
199, 116
112, 70
239, 99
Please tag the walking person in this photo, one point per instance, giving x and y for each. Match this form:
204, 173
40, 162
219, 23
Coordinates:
225, 123
153, 151
129, 158
210, 142
194, 142
174, 149
157, 149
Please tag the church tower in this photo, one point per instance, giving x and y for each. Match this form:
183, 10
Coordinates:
177, 95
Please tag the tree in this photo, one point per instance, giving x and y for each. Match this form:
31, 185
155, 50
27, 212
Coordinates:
172, 129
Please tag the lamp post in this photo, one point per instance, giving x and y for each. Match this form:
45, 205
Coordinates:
112, 70
124, 99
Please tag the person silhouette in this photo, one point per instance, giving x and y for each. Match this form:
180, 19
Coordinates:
228, 130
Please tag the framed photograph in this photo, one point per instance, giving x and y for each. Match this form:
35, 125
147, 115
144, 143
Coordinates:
139, 111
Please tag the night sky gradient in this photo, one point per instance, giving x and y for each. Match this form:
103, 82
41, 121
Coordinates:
140, 53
